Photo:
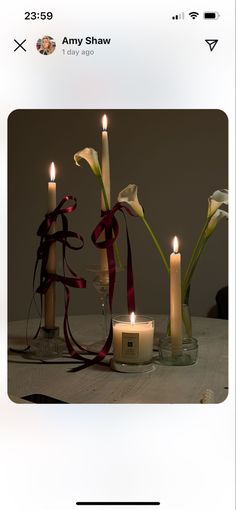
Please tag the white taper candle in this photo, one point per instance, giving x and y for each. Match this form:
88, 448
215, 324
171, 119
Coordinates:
175, 299
49, 303
106, 182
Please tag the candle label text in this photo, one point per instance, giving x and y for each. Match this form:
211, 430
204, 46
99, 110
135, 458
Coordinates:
130, 344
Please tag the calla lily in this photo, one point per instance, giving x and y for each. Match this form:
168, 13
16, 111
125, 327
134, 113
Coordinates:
214, 215
217, 216
216, 200
130, 196
91, 156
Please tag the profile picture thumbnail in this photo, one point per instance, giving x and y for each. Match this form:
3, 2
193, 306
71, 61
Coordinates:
46, 45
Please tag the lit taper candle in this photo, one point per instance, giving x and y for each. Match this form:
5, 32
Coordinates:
106, 182
175, 299
105, 164
49, 308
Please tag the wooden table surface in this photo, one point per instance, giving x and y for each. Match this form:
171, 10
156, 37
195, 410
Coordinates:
100, 384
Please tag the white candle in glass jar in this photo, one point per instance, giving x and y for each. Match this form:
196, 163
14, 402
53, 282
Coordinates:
49, 301
133, 339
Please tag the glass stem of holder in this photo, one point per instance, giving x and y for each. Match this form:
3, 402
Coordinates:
48, 344
101, 284
104, 307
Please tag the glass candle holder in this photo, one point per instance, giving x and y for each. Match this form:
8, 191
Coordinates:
101, 284
48, 345
132, 343
185, 354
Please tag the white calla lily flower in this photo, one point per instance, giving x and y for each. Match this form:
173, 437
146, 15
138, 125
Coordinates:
130, 196
91, 156
216, 217
216, 200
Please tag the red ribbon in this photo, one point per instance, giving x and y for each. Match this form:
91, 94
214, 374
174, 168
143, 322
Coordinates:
46, 279
110, 227
62, 236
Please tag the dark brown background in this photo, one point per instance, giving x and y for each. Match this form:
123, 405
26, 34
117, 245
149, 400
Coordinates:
178, 158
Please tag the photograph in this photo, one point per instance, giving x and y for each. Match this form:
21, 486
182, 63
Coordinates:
118, 256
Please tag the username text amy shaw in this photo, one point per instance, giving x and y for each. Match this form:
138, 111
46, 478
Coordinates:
87, 40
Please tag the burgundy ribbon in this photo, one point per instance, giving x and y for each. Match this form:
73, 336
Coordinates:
46, 279
62, 236
109, 226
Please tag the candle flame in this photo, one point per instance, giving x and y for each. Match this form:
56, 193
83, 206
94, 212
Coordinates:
104, 122
132, 318
52, 172
176, 244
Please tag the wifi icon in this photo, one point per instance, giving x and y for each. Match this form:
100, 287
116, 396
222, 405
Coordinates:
193, 14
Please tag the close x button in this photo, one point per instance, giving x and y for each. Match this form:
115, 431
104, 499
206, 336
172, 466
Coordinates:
19, 45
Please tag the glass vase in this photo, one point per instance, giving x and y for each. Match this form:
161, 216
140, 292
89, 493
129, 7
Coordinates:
182, 351
186, 322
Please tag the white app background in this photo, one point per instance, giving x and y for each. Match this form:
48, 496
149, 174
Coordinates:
180, 455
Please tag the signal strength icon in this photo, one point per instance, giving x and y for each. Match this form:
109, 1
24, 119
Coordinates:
178, 16
193, 14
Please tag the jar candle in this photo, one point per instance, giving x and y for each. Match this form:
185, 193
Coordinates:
132, 343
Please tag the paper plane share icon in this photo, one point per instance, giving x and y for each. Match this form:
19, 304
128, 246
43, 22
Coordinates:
212, 43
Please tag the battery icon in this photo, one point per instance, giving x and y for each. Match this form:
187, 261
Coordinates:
211, 15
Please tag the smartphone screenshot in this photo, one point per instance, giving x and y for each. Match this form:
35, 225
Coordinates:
117, 352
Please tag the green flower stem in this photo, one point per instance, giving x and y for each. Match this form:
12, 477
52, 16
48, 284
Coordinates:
191, 269
195, 256
156, 244
116, 249
203, 238
117, 255
104, 192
